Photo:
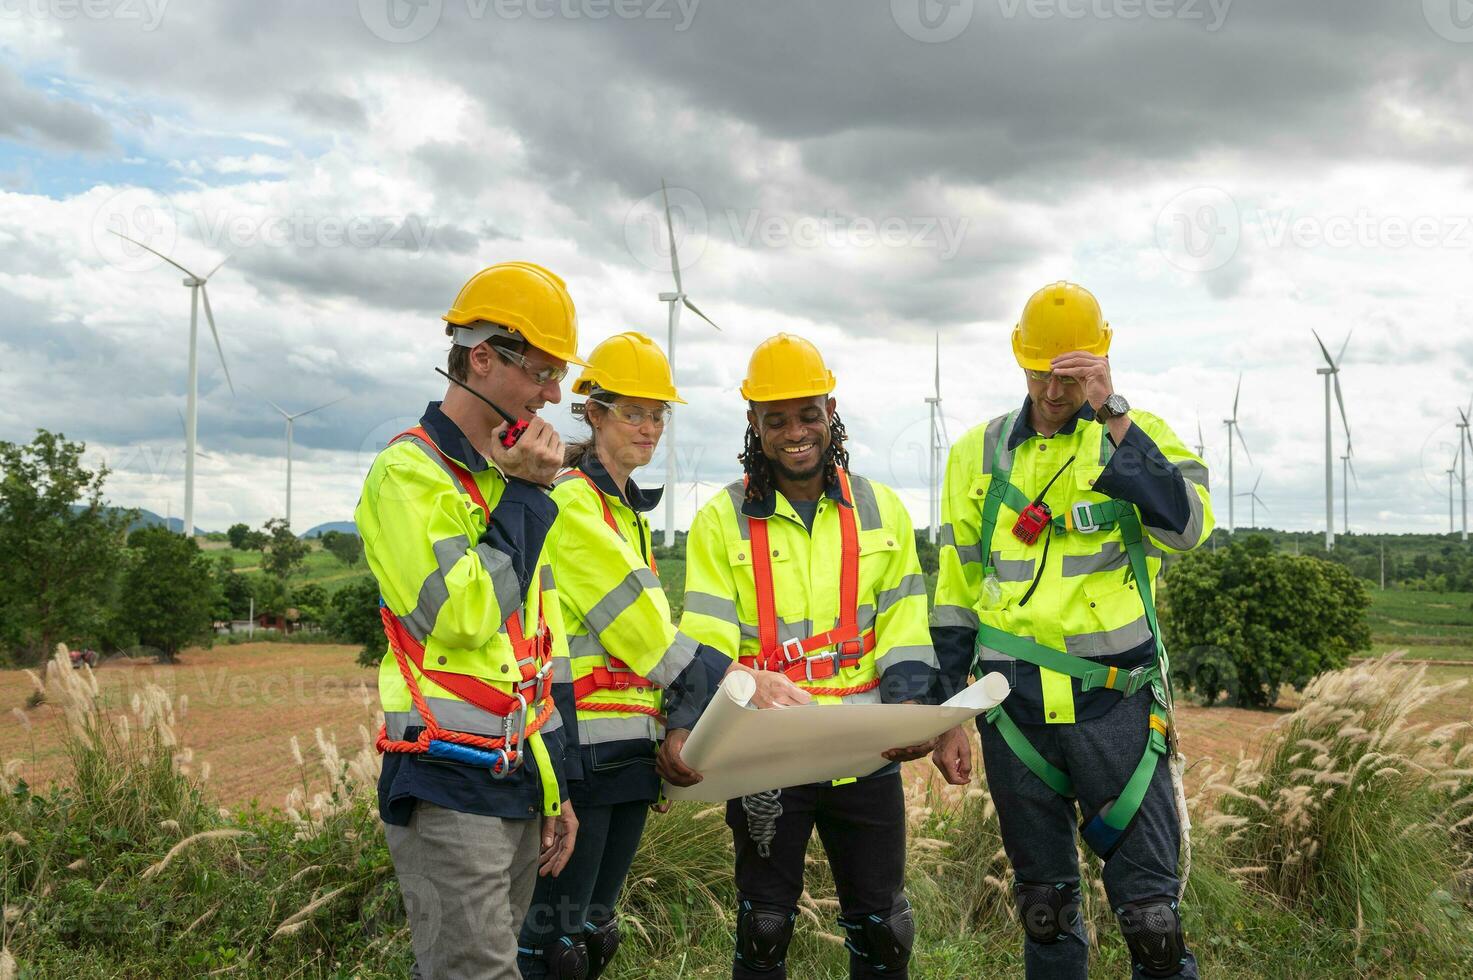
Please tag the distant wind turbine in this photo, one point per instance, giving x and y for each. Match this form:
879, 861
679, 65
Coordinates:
291, 418
1232, 427
1451, 472
675, 301
1201, 443
197, 291
1254, 500
1331, 371
937, 449
1465, 442
1347, 473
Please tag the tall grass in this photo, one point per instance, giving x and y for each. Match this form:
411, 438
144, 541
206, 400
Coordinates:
1346, 848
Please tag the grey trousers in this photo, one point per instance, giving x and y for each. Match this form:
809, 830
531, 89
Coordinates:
1038, 825
467, 881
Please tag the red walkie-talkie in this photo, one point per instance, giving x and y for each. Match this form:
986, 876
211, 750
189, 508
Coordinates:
1036, 516
515, 427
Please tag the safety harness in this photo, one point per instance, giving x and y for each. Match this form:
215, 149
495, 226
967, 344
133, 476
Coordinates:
616, 675
1103, 831
502, 754
793, 656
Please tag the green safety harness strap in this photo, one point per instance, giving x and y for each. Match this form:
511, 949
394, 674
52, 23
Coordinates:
1104, 830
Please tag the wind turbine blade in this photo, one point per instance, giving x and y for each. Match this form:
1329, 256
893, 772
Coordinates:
1239, 430
945, 436
692, 307
670, 227
1260, 501
1339, 398
1257, 482
284, 413
1200, 441
1236, 393
1323, 350
182, 427
319, 407
155, 252
938, 365
210, 316
216, 268
1351, 466
1341, 356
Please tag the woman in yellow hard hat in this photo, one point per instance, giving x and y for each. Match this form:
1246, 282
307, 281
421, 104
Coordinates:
630, 667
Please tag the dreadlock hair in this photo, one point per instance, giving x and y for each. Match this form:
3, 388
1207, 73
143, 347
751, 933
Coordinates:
758, 468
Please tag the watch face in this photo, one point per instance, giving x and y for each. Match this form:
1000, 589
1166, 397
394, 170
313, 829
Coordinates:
1114, 405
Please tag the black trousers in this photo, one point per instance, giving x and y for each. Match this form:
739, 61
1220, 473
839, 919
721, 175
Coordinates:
588, 889
862, 827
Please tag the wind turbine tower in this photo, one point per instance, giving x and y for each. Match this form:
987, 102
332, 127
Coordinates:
291, 418
1331, 371
937, 449
1232, 427
675, 301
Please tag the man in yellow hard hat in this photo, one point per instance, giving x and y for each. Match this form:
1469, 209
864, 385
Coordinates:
453, 517
631, 669
1055, 520
804, 569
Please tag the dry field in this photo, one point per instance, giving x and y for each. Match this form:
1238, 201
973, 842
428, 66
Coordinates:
241, 705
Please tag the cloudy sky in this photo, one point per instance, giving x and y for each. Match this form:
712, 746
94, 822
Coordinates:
1225, 175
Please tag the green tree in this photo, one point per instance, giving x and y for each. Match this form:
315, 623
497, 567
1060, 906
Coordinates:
347, 548
233, 589
61, 546
1246, 620
169, 592
237, 535
354, 618
311, 601
284, 550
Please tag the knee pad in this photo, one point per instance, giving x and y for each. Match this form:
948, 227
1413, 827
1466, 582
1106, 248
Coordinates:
883, 941
763, 934
1152, 931
602, 942
1049, 912
566, 959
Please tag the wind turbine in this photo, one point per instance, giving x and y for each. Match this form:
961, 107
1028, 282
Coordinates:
1451, 472
1254, 500
197, 291
1331, 371
1202, 443
675, 301
1464, 440
1347, 473
937, 449
291, 418
1232, 426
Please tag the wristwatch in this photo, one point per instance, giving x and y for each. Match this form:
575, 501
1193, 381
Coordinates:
1111, 407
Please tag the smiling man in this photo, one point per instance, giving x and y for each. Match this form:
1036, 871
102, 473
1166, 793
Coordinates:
453, 524
1055, 518
809, 570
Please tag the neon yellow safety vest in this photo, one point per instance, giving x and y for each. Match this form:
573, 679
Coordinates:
622, 642
452, 593
1086, 604
721, 590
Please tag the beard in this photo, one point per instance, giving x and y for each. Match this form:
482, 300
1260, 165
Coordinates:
796, 475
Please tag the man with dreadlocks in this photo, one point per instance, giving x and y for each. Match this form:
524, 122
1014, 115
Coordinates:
809, 570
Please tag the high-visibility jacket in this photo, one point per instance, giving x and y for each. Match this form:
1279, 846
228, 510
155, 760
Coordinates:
890, 644
455, 595
622, 643
1086, 602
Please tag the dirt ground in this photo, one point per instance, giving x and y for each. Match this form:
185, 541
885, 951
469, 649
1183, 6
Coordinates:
240, 705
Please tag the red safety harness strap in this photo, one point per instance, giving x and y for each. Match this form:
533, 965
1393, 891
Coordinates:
533, 657
793, 656
617, 676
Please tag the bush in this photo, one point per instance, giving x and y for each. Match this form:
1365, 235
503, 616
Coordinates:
1247, 621
353, 617
168, 594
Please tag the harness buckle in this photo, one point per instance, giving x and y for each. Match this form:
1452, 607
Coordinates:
850, 652
1082, 520
621, 675
808, 662
791, 651
1139, 678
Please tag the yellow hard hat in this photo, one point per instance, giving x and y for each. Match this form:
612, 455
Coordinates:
525, 299
629, 364
1057, 319
786, 366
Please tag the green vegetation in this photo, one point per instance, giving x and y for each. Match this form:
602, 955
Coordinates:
1346, 849
167, 593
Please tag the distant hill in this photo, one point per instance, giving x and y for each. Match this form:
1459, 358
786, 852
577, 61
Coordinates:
147, 518
343, 527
